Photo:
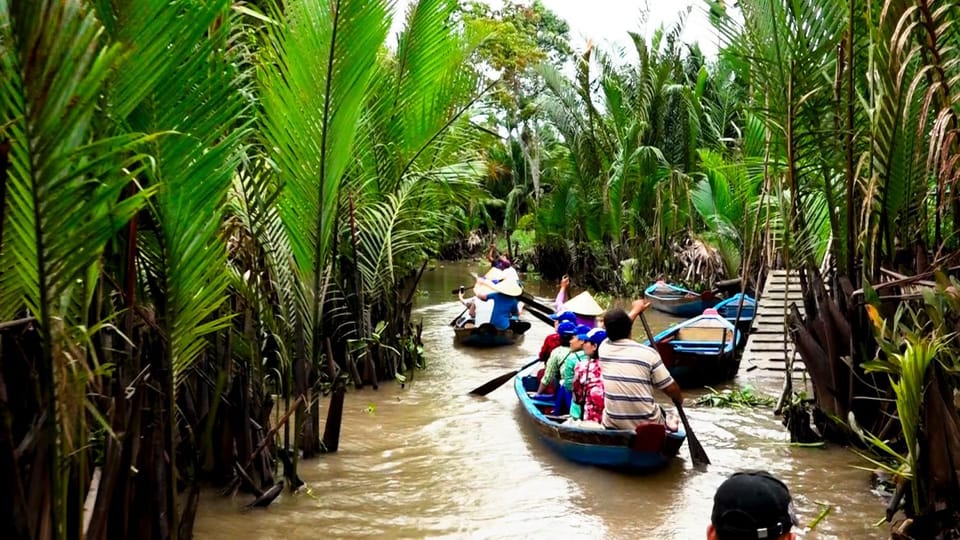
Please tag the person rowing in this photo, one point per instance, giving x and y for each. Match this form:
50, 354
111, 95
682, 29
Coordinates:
630, 371
503, 289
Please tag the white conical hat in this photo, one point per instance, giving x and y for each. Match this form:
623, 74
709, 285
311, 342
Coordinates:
498, 281
583, 304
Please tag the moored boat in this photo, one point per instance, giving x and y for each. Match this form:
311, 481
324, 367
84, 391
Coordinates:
618, 449
487, 335
676, 300
700, 351
728, 310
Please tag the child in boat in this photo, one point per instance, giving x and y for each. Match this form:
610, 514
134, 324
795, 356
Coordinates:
587, 382
552, 341
551, 373
564, 395
577, 355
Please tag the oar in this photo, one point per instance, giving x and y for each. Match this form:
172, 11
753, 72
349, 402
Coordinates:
541, 316
529, 300
492, 385
457, 318
697, 453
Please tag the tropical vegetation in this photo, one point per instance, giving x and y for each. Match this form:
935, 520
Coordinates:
206, 204
210, 205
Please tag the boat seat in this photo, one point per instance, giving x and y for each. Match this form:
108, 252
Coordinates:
704, 334
648, 437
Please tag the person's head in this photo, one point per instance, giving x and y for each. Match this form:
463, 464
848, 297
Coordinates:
751, 504
592, 341
564, 316
566, 329
579, 337
617, 324
501, 262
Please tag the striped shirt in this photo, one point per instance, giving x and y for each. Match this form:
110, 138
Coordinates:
630, 372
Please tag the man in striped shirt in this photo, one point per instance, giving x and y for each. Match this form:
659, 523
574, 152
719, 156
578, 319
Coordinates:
630, 372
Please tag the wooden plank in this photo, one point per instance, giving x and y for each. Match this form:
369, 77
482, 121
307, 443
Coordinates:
770, 346
779, 370
765, 355
769, 342
776, 310
767, 329
775, 297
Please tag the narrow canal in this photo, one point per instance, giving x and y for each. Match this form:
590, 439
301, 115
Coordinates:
426, 460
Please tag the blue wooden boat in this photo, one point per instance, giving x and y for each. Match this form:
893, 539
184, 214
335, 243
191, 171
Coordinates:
676, 300
488, 335
700, 351
617, 449
728, 310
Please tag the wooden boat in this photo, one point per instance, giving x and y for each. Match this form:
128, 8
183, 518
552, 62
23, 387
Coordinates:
728, 310
488, 335
700, 351
676, 300
618, 449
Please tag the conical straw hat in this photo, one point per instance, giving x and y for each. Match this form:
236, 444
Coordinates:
499, 281
583, 304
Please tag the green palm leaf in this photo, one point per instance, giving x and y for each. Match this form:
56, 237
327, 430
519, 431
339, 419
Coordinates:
316, 71
199, 103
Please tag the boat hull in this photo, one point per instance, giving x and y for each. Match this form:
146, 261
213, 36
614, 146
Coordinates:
728, 310
607, 448
692, 370
700, 351
487, 335
677, 300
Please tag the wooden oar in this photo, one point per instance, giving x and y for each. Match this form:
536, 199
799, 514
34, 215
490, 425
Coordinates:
457, 318
529, 300
541, 316
492, 385
697, 453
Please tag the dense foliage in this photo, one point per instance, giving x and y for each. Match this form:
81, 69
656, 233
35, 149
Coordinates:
207, 203
203, 205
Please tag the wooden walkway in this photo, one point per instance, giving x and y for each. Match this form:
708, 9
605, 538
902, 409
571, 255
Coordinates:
768, 345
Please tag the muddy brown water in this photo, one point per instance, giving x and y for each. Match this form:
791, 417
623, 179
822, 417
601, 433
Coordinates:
427, 460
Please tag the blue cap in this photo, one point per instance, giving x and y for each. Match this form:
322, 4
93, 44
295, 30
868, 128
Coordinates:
596, 336
565, 316
582, 331
566, 328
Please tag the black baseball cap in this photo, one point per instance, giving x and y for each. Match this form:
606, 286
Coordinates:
752, 504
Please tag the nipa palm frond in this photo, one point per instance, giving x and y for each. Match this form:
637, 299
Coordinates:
317, 67
200, 105
64, 184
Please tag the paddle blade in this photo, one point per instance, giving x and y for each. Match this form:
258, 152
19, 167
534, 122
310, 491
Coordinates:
485, 389
697, 454
490, 386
